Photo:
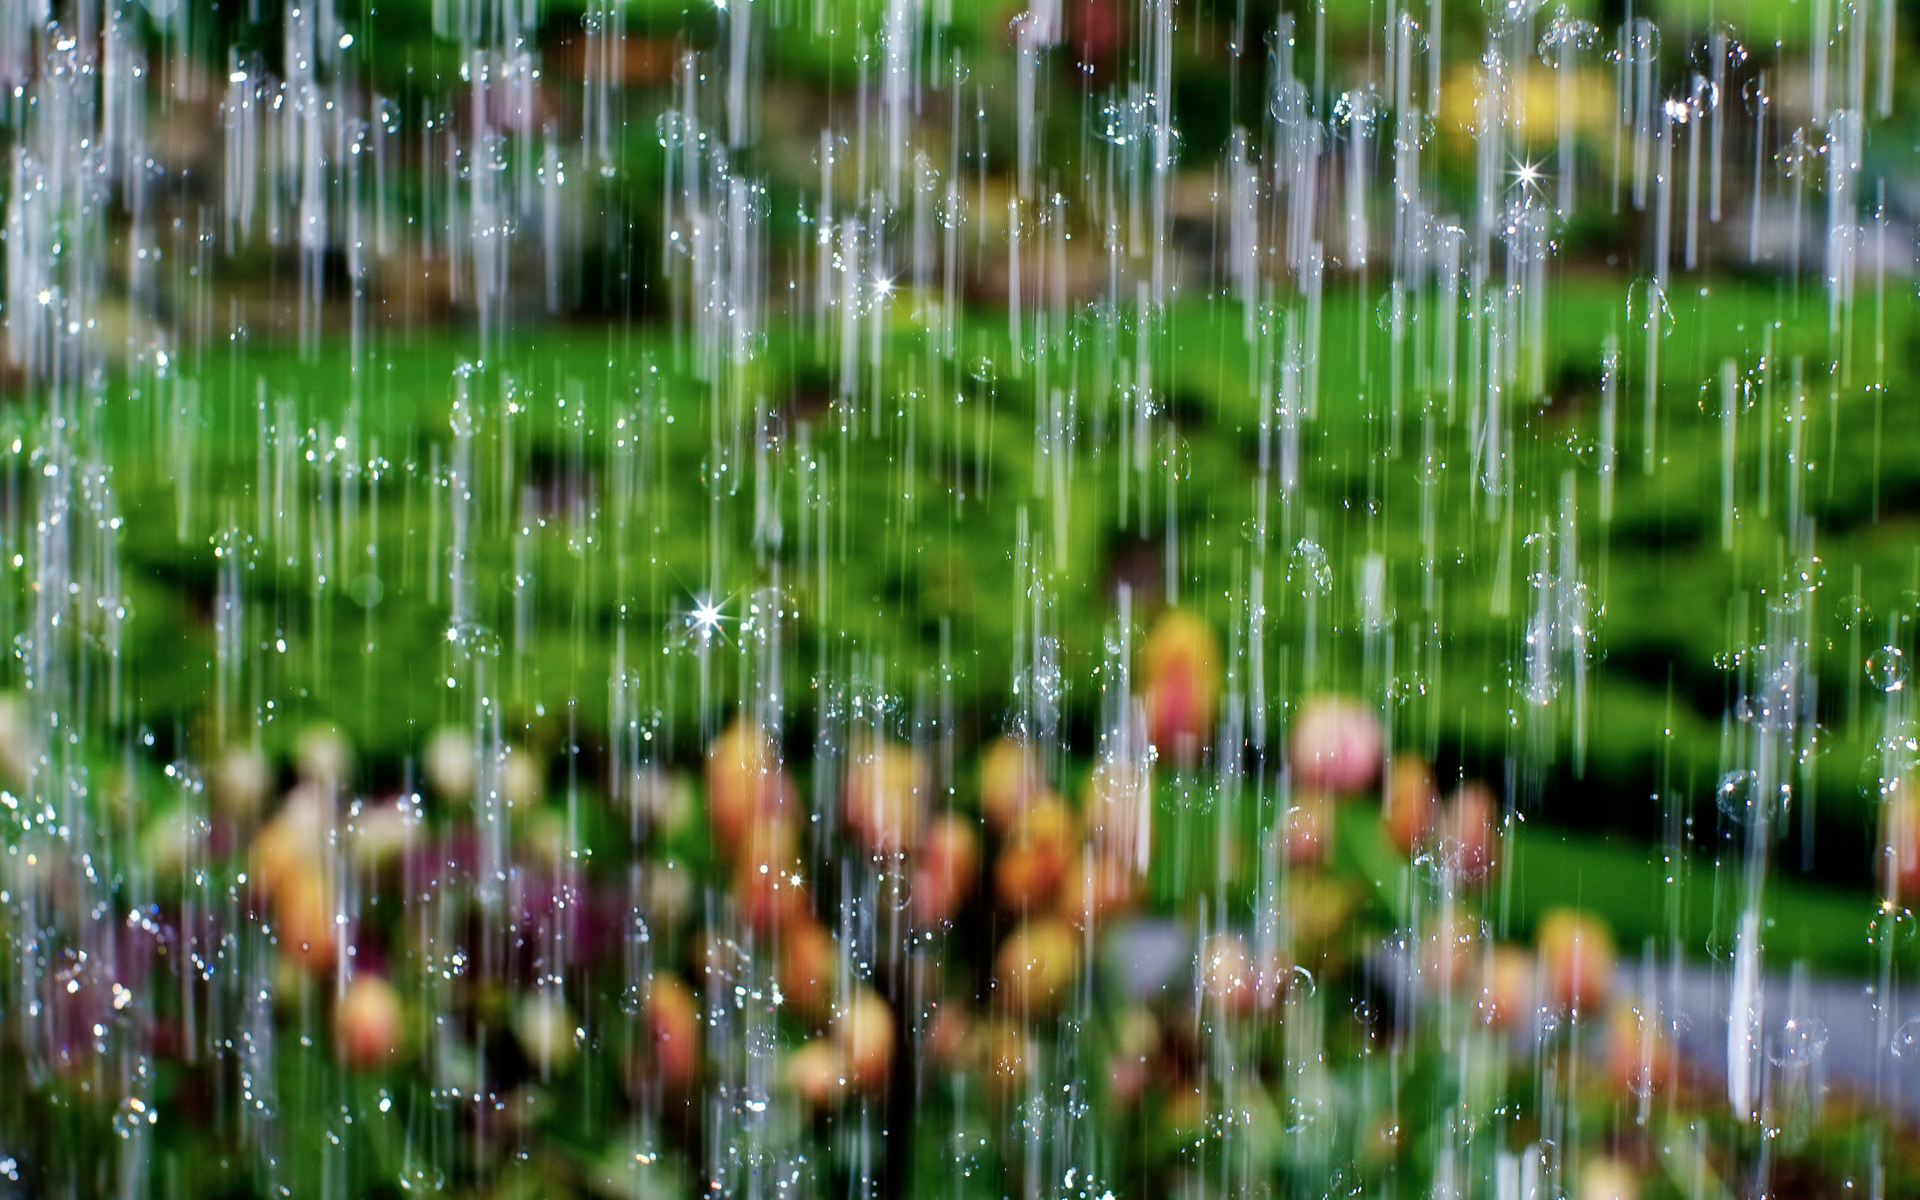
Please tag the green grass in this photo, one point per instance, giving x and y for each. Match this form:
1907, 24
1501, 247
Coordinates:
1670, 607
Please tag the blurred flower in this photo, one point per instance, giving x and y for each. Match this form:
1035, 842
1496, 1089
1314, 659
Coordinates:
1506, 987
1036, 964
673, 1030
946, 870
816, 1071
669, 893
1009, 782
1226, 971
1034, 860
1096, 888
950, 1036
886, 787
547, 1033
296, 836
241, 780
1307, 828
1637, 1051
17, 750
304, 916
1118, 807
1900, 841
1470, 835
1179, 683
366, 1022
169, 841
1007, 1051
1449, 952
1576, 960
805, 966
521, 779
449, 763
745, 783
379, 833
663, 799
1099, 29
769, 881
1412, 802
1608, 1178
1336, 745
864, 1035
323, 756
1321, 907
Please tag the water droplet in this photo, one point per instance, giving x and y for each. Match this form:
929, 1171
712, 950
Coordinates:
1735, 795
1801, 1041
1905, 1042
1308, 568
1303, 983
1565, 33
1887, 668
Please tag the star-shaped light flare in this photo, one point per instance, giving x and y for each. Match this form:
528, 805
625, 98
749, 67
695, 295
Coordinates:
705, 618
1528, 174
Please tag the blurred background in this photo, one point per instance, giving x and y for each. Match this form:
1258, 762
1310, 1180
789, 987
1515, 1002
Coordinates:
818, 597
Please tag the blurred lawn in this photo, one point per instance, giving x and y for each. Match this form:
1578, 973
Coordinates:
902, 568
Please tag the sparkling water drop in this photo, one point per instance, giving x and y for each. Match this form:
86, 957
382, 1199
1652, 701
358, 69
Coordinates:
1887, 668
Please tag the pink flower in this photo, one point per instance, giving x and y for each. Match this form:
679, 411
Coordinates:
1336, 745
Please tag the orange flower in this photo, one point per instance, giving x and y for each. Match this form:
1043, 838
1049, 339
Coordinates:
1037, 963
816, 1072
745, 783
1009, 782
864, 1033
303, 911
768, 881
1637, 1055
1506, 987
673, 1027
366, 1023
806, 964
1412, 802
1576, 959
1095, 888
885, 789
294, 839
1030, 868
